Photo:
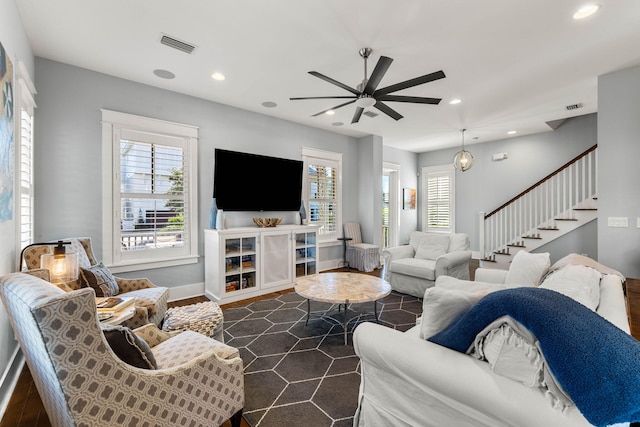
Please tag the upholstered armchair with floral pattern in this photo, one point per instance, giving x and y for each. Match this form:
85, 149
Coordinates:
93, 375
151, 300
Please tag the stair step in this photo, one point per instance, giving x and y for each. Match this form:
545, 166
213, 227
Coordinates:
517, 245
502, 252
566, 219
549, 228
488, 260
532, 236
585, 209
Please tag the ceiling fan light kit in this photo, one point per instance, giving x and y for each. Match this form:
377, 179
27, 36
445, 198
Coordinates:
367, 95
463, 160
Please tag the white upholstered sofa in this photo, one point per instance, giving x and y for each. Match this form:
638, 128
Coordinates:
413, 268
409, 381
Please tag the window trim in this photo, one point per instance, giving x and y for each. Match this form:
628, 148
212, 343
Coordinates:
112, 122
439, 169
314, 155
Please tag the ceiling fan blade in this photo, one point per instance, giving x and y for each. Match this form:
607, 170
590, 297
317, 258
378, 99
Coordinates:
334, 108
378, 73
335, 82
388, 111
356, 115
323, 97
410, 83
414, 99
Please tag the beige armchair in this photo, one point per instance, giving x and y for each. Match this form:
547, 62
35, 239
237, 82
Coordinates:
194, 380
151, 300
413, 268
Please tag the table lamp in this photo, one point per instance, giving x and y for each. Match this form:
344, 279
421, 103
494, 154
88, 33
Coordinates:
62, 266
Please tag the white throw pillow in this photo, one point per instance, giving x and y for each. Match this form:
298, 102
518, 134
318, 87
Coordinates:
431, 247
527, 269
579, 282
442, 307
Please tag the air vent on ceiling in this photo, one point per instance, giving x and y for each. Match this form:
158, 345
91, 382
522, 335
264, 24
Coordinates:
574, 106
177, 44
370, 114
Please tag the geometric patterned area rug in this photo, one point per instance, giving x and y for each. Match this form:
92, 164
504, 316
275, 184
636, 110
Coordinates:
297, 375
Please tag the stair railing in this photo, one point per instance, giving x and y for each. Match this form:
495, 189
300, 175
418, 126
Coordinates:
540, 206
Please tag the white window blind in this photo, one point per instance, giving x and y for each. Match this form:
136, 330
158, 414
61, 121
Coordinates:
24, 156
152, 195
152, 209
322, 183
438, 196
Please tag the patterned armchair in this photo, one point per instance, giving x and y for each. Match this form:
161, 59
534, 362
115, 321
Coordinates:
195, 381
151, 300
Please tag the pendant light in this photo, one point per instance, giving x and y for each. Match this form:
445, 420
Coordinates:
463, 160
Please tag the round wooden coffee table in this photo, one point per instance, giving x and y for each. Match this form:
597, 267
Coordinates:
342, 289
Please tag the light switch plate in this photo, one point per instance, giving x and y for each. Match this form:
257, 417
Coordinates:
617, 221
638, 222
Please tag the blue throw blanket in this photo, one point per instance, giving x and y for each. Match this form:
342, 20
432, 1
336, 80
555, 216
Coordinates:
596, 363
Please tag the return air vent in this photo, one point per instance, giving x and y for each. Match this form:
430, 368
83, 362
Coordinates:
574, 106
177, 44
370, 114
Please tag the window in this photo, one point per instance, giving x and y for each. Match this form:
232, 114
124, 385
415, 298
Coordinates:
322, 189
438, 199
152, 210
24, 156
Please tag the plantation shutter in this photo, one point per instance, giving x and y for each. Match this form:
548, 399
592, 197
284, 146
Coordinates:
323, 205
439, 201
152, 191
24, 156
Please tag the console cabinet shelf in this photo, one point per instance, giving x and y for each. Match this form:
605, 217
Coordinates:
246, 262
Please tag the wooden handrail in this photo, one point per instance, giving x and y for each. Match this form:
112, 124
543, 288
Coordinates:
537, 184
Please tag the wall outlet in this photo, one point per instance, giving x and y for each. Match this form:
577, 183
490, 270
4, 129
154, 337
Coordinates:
617, 221
638, 222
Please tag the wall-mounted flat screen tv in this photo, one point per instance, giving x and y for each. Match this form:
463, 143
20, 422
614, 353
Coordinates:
251, 182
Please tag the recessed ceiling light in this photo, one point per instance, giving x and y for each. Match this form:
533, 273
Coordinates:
269, 104
218, 76
164, 74
330, 113
337, 124
455, 101
511, 132
586, 10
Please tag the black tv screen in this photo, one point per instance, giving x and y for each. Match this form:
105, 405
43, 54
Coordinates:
251, 182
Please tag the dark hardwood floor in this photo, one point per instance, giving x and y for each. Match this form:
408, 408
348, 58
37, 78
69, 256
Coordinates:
25, 408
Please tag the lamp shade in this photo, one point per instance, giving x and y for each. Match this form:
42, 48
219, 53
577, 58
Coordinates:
62, 267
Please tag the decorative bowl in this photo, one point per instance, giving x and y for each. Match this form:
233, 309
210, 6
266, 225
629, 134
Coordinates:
267, 222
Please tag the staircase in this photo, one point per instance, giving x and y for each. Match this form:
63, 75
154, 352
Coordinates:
557, 204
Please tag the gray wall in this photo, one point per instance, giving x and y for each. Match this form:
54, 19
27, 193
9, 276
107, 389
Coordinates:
15, 42
488, 184
618, 153
68, 136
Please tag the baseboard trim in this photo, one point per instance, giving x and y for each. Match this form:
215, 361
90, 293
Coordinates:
186, 291
10, 379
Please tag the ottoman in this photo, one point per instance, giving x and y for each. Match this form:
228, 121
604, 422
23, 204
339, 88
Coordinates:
203, 317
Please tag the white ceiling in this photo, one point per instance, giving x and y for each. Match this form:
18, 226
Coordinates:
515, 64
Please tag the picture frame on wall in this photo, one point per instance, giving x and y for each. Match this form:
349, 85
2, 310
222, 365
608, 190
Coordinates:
408, 198
6, 136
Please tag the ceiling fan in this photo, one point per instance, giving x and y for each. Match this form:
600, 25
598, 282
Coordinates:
367, 95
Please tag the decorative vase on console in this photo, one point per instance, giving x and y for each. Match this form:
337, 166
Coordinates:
220, 220
213, 214
303, 213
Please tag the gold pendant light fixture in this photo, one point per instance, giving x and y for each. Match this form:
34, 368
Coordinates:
463, 160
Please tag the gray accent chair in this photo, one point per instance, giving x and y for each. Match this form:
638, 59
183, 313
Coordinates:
359, 255
412, 268
151, 300
195, 381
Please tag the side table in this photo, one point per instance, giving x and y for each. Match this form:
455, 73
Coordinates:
344, 256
